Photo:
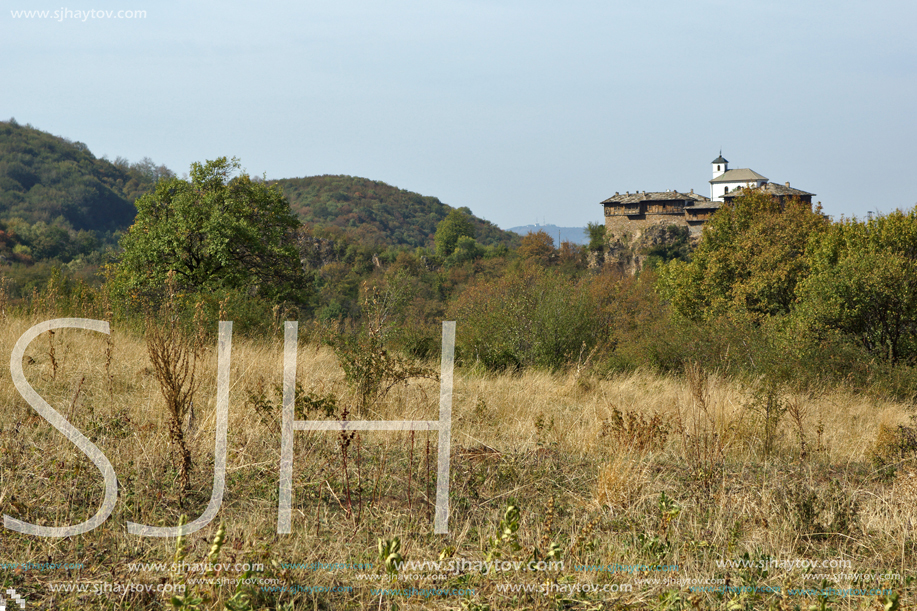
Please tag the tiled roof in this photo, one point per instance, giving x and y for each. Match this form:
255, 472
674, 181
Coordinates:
772, 189
655, 196
741, 175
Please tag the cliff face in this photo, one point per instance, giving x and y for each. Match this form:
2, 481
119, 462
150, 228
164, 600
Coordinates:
628, 252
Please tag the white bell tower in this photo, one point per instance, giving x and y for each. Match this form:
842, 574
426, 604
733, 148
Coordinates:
720, 166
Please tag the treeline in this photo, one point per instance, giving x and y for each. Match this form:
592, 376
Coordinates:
798, 298
229, 238
772, 292
233, 243
60, 206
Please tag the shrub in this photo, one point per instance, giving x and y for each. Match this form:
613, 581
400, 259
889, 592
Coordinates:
892, 447
537, 246
529, 317
596, 234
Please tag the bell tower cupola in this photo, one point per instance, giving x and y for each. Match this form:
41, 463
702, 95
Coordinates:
720, 165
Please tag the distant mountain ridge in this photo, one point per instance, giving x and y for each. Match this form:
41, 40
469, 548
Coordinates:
576, 235
374, 212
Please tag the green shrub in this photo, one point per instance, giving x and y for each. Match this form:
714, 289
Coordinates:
529, 317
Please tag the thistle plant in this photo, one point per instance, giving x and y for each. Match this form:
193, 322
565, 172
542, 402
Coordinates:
175, 355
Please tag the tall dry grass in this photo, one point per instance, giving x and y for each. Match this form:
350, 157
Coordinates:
635, 469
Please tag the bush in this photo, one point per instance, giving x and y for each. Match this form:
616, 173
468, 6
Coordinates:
370, 367
537, 246
466, 249
529, 317
596, 234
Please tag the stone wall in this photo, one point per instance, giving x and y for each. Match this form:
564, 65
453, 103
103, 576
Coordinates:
620, 226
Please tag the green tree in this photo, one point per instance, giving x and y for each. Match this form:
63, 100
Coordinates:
675, 244
466, 249
215, 231
450, 229
596, 234
864, 284
748, 263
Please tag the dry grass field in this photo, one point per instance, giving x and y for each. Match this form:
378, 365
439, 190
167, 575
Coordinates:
660, 482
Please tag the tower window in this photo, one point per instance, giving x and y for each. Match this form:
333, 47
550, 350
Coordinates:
717, 168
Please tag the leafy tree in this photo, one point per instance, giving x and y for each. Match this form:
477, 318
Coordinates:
675, 245
450, 229
149, 170
748, 263
538, 246
571, 257
466, 249
214, 231
864, 284
596, 234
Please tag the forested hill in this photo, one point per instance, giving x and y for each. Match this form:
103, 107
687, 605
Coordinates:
372, 212
59, 202
51, 180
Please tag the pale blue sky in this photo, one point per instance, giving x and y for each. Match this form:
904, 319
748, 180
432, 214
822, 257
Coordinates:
520, 110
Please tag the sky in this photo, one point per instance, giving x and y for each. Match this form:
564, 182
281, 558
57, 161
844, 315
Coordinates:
523, 111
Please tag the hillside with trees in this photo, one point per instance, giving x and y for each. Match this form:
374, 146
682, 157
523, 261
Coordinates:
58, 201
376, 214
